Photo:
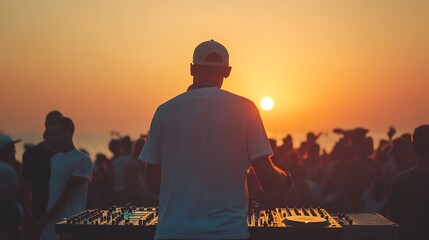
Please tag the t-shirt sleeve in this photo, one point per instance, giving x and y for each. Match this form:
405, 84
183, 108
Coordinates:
83, 168
256, 138
151, 152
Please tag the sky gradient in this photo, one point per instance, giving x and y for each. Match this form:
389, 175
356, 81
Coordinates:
109, 64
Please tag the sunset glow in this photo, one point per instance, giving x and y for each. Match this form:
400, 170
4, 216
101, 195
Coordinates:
267, 103
110, 64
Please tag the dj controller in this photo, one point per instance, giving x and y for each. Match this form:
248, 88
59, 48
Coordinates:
131, 222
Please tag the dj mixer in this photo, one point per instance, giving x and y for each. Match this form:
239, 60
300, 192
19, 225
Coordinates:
131, 222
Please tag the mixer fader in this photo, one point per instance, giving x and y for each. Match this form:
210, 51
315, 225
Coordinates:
116, 216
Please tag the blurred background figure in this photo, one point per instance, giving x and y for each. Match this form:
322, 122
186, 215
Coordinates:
409, 198
11, 212
119, 174
68, 184
36, 170
135, 190
97, 185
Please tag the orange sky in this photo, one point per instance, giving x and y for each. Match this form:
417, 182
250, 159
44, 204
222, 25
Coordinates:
109, 64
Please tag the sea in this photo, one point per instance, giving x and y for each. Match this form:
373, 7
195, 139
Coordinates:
95, 143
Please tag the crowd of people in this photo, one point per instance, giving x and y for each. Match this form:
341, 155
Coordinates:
206, 157
353, 177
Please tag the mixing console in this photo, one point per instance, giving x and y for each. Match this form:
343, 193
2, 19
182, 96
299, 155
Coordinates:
123, 216
131, 222
366, 226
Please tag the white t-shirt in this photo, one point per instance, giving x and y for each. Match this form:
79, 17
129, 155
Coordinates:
204, 140
63, 166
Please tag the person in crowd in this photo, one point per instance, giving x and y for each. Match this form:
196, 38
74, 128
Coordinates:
108, 192
409, 198
68, 183
117, 171
310, 148
135, 191
96, 186
200, 146
36, 170
11, 211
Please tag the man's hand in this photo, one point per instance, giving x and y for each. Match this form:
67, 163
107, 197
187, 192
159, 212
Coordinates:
32, 228
271, 177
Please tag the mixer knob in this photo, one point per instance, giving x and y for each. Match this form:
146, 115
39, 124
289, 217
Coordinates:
296, 211
288, 211
348, 220
305, 212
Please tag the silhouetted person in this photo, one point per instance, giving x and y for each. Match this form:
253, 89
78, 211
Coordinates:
11, 212
287, 147
134, 190
310, 148
98, 182
118, 170
408, 202
200, 146
402, 153
115, 147
68, 183
36, 169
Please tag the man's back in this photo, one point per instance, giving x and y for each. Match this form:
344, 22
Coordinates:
408, 203
204, 140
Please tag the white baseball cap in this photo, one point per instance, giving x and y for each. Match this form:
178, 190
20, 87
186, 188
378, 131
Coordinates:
211, 53
5, 140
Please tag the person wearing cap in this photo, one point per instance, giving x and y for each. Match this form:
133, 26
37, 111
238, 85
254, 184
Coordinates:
11, 212
200, 145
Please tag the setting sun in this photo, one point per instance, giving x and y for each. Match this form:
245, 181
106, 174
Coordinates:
267, 103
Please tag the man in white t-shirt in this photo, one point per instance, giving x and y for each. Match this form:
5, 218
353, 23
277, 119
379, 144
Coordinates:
68, 183
200, 146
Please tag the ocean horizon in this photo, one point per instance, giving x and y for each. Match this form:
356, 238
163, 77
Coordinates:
95, 143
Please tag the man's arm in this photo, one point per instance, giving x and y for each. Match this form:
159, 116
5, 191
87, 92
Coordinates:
72, 185
26, 195
271, 177
153, 177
